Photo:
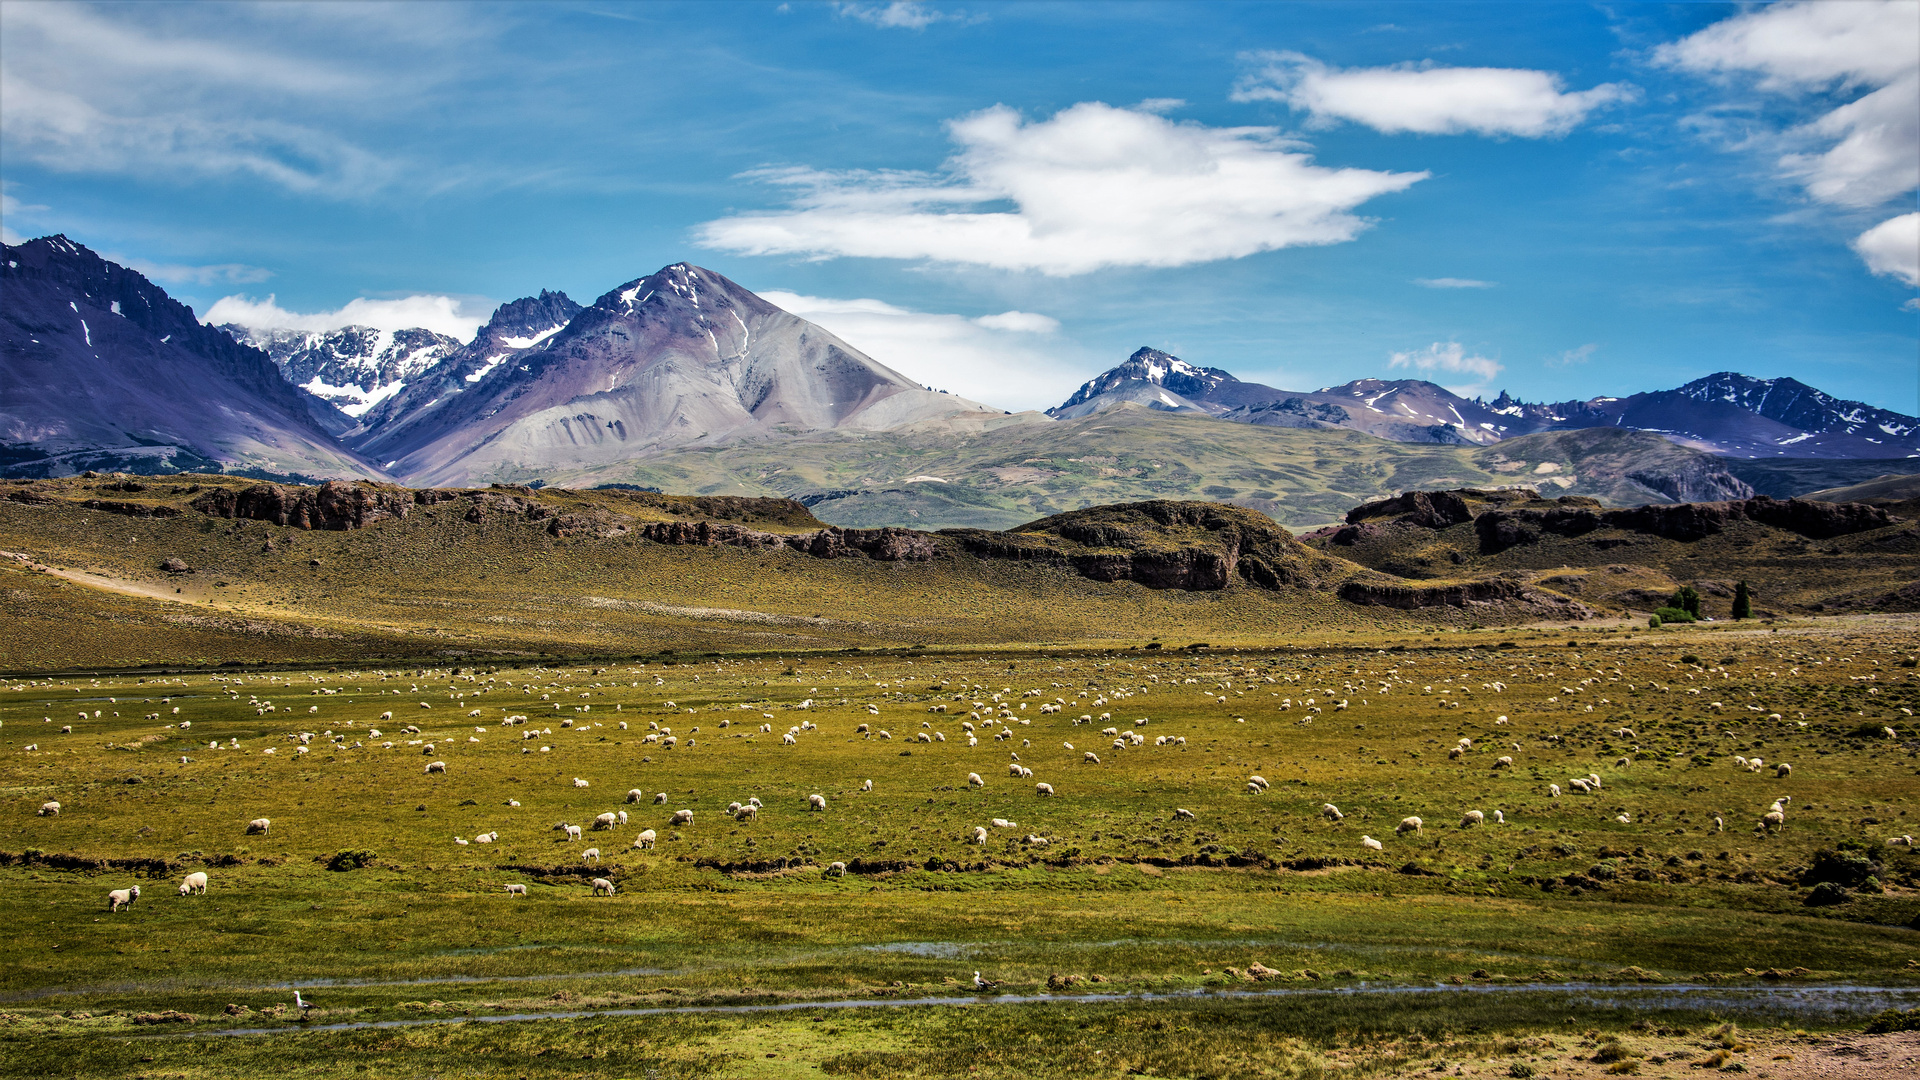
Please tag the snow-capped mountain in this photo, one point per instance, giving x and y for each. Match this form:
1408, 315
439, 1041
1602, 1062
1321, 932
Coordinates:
101, 369
352, 368
679, 357
1726, 413
527, 323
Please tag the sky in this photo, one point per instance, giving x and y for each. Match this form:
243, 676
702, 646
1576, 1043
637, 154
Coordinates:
1561, 200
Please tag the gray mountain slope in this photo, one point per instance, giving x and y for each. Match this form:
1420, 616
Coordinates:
100, 368
682, 357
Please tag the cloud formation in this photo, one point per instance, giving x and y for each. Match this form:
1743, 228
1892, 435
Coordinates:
1427, 99
897, 15
1892, 248
1570, 357
1860, 154
1453, 283
1449, 358
186, 274
1094, 186
1009, 360
440, 314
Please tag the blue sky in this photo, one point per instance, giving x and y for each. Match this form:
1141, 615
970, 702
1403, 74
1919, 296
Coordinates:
1562, 200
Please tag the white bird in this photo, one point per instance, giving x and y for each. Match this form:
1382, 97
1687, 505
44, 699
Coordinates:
980, 983
302, 1003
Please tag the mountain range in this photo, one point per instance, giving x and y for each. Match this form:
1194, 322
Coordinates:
682, 377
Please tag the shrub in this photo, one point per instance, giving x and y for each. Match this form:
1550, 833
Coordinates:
1826, 894
1520, 1069
1847, 868
1673, 615
1687, 600
350, 860
1742, 601
1890, 1020
1653, 622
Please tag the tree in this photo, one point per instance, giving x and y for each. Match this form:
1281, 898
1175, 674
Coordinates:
1742, 601
1687, 600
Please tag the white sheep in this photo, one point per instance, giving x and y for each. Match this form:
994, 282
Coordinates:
603, 822
659, 798
1370, 843
120, 898
577, 782
50, 808
1553, 791
1257, 782
1499, 817
1503, 762
385, 716
1043, 789
1183, 814
979, 834
1001, 823
1775, 821
634, 795
573, 833
516, 889
1472, 818
486, 838
838, 869
601, 886
973, 780
1782, 770
195, 882
591, 853
1900, 841
816, 802
1331, 812
1411, 824
259, 825
436, 766
682, 817
868, 786
645, 839
1090, 758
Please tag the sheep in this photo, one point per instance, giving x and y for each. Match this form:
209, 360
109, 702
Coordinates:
195, 882
1719, 824
754, 801
1553, 791
1580, 785
682, 817
1900, 841
259, 825
1499, 818
634, 795
1889, 733
601, 886
1471, 818
591, 853
1504, 762
486, 838
733, 808
1036, 840
1257, 782
1183, 814
816, 802
1782, 771
50, 808
973, 780
1371, 844
883, 733
1090, 758
1412, 824
577, 782
1043, 789
573, 833
838, 869
862, 730
621, 817
603, 822
1454, 752
1331, 812
867, 786
386, 716
436, 767
789, 740
645, 839
120, 898
516, 889
1002, 823
1775, 821
660, 798
979, 834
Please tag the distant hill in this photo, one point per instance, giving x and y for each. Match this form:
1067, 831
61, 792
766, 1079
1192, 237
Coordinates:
1892, 488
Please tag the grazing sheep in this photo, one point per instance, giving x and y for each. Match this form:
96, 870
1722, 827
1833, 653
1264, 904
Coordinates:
745, 813
1580, 785
603, 822
49, 808
660, 798
1505, 762
1183, 814
1371, 844
1331, 812
1553, 791
516, 889
195, 882
1900, 841
1889, 733
1782, 770
1775, 821
1719, 823
601, 886
436, 766
1499, 818
573, 833
1002, 823
733, 808
838, 869
645, 839
1090, 758
754, 801
1471, 818
259, 825
1454, 752
621, 817
591, 853
1257, 782
868, 786
979, 834
634, 795
789, 740
973, 780
816, 802
386, 716
120, 898
1412, 824
486, 838
682, 817
884, 734
1043, 789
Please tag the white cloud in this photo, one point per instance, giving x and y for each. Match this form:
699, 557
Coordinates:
440, 314
1094, 186
1861, 154
187, 274
1571, 357
1450, 358
12, 210
1003, 360
1427, 99
1453, 283
1892, 248
898, 15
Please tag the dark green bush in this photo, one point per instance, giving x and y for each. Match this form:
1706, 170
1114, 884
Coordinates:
1674, 615
350, 860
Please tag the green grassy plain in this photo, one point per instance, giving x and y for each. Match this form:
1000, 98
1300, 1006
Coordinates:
1121, 899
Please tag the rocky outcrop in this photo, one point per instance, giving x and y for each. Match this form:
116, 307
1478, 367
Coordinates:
1685, 522
884, 545
1501, 592
335, 505
1429, 509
